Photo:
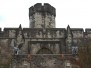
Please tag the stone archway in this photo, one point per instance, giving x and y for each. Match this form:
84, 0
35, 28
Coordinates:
44, 51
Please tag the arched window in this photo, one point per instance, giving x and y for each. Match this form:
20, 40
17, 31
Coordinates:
44, 51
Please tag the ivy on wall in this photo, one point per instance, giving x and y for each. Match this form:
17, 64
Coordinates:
84, 57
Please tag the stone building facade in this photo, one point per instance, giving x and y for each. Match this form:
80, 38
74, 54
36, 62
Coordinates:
42, 45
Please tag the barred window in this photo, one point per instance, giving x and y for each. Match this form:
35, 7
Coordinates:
74, 50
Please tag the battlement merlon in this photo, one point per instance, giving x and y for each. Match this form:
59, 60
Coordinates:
50, 32
46, 8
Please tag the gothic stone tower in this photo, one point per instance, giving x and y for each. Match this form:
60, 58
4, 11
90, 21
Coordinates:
41, 45
42, 16
44, 44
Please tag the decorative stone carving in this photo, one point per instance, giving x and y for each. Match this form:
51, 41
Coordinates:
57, 34
12, 33
49, 35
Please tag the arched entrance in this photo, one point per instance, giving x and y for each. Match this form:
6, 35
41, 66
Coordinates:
44, 51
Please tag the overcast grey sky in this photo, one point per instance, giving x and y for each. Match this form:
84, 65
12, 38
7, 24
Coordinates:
76, 13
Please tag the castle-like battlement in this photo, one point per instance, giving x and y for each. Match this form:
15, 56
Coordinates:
49, 32
46, 8
42, 45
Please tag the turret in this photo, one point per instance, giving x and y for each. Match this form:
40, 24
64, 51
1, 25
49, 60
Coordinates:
69, 39
42, 16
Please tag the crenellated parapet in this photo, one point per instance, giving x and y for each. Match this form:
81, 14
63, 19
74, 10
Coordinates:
46, 8
42, 45
76, 33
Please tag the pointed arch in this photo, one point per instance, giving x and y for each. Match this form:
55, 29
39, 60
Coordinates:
44, 51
